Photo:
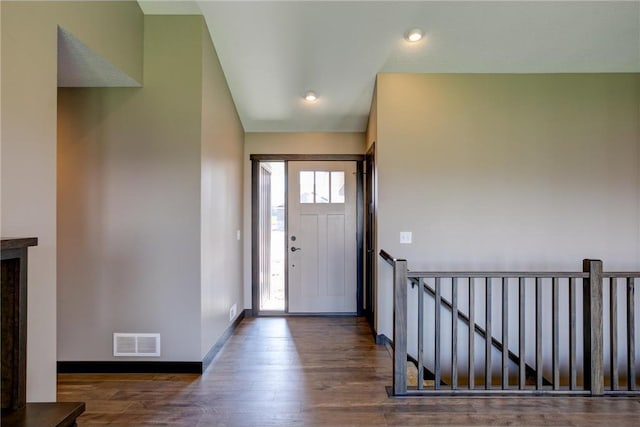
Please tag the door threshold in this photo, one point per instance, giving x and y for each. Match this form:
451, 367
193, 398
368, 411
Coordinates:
352, 314
271, 313
283, 314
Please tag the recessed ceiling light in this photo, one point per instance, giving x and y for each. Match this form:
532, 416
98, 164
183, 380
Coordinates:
414, 35
310, 96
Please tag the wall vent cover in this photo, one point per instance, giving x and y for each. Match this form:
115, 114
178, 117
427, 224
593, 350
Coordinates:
144, 345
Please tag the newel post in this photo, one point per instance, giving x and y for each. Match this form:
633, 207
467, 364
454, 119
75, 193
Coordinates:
592, 327
399, 327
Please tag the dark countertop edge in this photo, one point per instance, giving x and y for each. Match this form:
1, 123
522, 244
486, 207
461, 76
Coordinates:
18, 243
40, 414
80, 407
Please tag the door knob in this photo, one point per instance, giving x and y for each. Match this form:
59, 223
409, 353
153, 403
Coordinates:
293, 249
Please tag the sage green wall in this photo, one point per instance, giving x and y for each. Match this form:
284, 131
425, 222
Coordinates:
28, 136
499, 171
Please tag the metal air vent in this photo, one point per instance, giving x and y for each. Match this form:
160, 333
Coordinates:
128, 344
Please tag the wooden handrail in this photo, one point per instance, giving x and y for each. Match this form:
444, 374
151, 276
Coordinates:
498, 274
621, 274
387, 257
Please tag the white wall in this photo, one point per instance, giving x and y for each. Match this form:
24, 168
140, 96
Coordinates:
287, 143
29, 50
518, 172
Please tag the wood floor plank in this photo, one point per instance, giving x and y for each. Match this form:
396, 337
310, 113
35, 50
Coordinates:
309, 372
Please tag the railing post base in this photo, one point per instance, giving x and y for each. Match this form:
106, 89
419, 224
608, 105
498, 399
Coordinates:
399, 327
592, 327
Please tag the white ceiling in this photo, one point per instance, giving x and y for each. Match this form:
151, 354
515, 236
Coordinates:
274, 51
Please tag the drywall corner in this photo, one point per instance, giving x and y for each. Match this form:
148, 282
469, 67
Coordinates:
221, 180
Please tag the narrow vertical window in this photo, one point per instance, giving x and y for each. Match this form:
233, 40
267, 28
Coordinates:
337, 187
322, 187
306, 187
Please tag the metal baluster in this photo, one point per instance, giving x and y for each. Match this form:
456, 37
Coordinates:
505, 333
438, 302
487, 340
522, 372
454, 333
420, 334
631, 342
555, 366
538, 333
472, 333
572, 334
613, 320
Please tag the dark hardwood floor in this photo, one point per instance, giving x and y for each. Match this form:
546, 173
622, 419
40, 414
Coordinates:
311, 372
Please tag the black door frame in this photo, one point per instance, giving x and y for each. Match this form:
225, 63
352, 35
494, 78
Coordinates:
370, 235
255, 223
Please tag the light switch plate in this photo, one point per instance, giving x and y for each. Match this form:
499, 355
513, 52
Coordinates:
405, 237
232, 312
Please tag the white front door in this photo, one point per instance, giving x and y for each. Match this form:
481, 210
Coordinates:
322, 241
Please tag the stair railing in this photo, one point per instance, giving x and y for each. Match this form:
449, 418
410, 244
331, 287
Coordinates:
564, 374
530, 372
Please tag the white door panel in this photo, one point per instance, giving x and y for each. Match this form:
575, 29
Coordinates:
322, 241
